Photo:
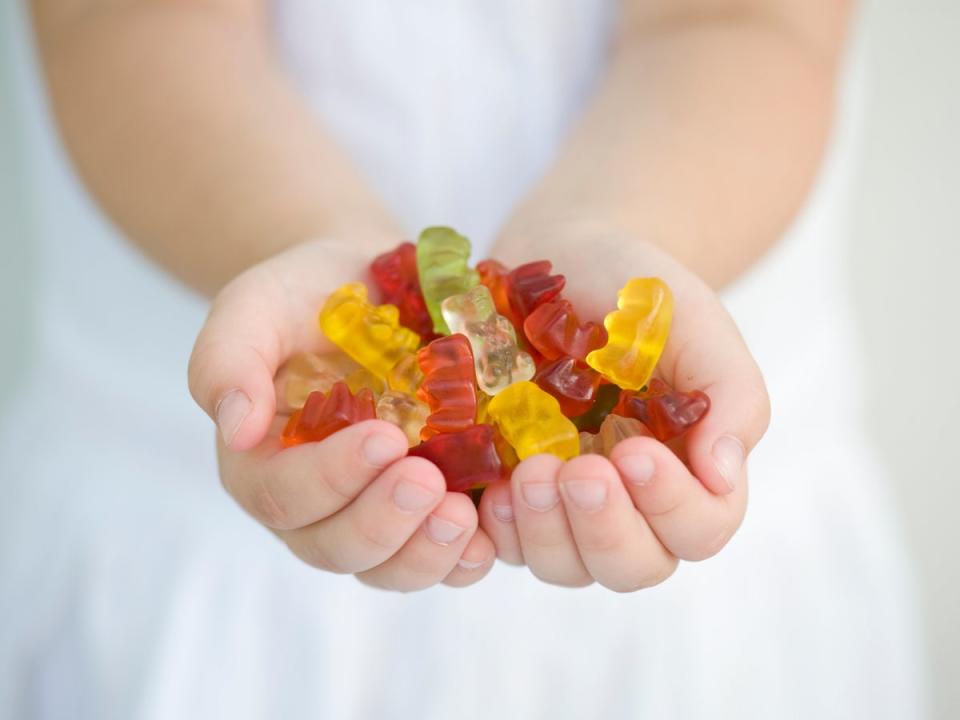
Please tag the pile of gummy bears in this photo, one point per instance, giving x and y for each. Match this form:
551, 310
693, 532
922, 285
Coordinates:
484, 367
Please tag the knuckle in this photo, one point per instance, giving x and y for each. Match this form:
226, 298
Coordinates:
314, 552
264, 506
645, 577
376, 535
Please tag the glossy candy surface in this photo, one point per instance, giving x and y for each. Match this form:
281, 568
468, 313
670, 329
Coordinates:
605, 399
396, 275
305, 373
531, 285
573, 383
531, 421
668, 413
406, 375
449, 385
322, 415
637, 332
467, 458
371, 335
614, 429
555, 331
493, 340
442, 255
406, 412
493, 275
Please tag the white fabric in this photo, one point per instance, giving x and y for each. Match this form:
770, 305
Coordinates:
132, 587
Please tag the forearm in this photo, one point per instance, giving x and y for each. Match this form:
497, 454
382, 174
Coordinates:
186, 131
703, 138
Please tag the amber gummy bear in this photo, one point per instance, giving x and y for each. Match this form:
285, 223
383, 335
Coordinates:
322, 415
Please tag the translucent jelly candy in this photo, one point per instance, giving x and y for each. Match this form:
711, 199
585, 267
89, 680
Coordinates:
404, 411
396, 275
305, 373
406, 375
531, 421
613, 429
667, 412
449, 385
362, 378
637, 333
371, 335
554, 330
606, 398
573, 383
467, 458
531, 285
322, 415
442, 255
493, 275
499, 361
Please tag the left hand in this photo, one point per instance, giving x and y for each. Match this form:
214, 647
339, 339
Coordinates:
626, 521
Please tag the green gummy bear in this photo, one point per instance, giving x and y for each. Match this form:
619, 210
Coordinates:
442, 255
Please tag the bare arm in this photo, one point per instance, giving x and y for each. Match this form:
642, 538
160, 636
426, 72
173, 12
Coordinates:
187, 132
704, 136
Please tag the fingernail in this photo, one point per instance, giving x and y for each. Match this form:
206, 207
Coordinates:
410, 497
380, 450
589, 495
470, 564
442, 532
540, 495
503, 513
728, 456
637, 469
232, 410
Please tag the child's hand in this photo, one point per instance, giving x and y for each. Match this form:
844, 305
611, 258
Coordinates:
625, 522
352, 503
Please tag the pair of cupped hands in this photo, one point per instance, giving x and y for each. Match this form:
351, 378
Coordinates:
355, 503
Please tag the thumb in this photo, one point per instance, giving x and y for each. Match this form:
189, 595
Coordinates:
235, 358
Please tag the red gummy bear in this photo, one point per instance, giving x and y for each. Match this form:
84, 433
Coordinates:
493, 274
555, 331
467, 458
395, 273
449, 385
322, 415
572, 382
531, 285
667, 412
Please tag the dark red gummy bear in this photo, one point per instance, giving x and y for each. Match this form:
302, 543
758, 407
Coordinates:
573, 383
449, 385
467, 458
668, 413
322, 415
555, 331
531, 285
395, 273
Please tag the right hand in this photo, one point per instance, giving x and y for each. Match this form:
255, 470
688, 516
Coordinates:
352, 503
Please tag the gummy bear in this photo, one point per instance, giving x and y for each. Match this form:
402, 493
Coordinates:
667, 412
467, 458
499, 361
531, 421
493, 274
637, 333
442, 255
371, 335
404, 411
406, 375
396, 275
605, 399
305, 373
554, 330
614, 429
573, 383
531, 285
322, 415
362, 378
449, 385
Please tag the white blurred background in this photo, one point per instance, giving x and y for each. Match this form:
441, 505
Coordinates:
905, 253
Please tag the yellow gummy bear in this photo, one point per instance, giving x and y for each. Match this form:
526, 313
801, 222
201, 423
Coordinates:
371, 335
531, 421
637, 332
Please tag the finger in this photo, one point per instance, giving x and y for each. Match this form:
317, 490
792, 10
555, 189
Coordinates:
289, 488
433, 551
375, 525
496, 518
691, 522
545, 537
236, 356
475, 562
615, 543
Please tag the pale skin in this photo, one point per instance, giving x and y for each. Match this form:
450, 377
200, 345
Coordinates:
691, 159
